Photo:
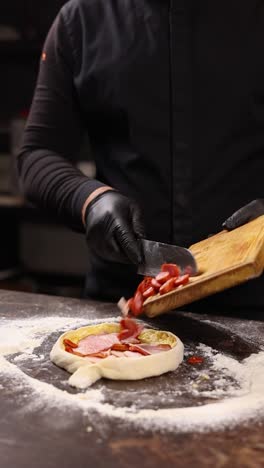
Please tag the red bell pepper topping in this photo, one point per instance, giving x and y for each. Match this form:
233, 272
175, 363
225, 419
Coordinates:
195, 360
145, 284
129, 329
155, 284
162, 277
184, 279
137, 303
120, 347
149, 292
171, 268
70, 343
168, 286
167, 280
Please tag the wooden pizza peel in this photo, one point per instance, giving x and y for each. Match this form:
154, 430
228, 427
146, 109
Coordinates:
224, 260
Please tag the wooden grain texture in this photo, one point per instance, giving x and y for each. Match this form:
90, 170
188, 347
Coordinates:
224, 260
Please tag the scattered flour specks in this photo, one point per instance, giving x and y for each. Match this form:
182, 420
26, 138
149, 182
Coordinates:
238, 386
26, 335
25, 356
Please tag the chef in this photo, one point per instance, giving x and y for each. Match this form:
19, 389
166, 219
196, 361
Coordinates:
171, 96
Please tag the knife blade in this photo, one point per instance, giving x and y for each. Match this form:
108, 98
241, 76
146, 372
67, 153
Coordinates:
157, 253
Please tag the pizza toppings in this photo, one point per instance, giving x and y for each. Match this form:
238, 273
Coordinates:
117, 349
154, 348
145, 284
167, 280
162, 277
70, 343
148, 293
94, 344
126, 343
139, 349
168, 286
130, 329
120, 347
71, 350
155, 284
172, 269
136, 303
181, 280
195, 360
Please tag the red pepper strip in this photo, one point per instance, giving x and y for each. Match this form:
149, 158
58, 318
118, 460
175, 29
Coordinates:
129, 328
195, 360
70, 343
137, 349
155, 284
120, 347
129, 324
168, 286
171, 268
184, 279
124, 334
145, 284
70, 350
136, 305
162, 277
149, 292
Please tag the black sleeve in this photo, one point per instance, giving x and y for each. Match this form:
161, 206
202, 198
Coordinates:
53, 135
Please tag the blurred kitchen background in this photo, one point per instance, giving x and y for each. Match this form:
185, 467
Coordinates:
36, 253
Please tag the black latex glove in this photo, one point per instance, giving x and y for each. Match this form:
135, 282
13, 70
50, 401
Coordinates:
245, 214
113, 226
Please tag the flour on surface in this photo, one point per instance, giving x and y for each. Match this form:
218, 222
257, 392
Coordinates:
238, 386
26, 335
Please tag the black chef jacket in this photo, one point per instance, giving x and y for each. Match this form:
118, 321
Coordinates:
171, 94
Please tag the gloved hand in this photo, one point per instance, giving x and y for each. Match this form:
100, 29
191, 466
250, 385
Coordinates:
113, 226
245, 214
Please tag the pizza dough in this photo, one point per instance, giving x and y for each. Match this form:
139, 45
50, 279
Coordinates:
87, 370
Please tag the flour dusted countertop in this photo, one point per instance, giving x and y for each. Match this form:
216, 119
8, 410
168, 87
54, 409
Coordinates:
208, 414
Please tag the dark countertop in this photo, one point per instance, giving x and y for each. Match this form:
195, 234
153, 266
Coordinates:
50, 438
